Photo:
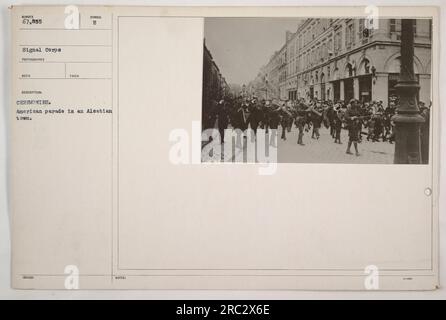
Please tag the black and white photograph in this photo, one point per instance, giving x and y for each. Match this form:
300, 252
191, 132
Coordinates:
236, 151
316, 90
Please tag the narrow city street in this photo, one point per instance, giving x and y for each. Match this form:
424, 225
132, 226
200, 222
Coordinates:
318, 71
326, 151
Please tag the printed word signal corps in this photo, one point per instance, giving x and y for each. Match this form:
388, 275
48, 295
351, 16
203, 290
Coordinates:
41, 50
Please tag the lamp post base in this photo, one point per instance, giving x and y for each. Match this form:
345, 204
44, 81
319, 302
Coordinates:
407, 138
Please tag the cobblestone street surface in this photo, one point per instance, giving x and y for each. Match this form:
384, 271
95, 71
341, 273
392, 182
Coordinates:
324, 150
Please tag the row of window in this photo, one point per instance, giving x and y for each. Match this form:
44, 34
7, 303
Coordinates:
355, 32
328, 47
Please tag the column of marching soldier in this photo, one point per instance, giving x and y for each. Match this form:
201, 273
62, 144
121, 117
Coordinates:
370, 119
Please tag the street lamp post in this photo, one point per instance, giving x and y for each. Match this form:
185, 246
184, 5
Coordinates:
408, 119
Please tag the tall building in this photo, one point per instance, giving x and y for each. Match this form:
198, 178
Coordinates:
215, 86
341, 59
270, 82
292, 60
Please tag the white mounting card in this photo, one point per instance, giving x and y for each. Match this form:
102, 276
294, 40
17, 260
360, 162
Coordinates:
224, 147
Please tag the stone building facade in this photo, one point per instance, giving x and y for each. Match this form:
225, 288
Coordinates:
215, 86
341, 59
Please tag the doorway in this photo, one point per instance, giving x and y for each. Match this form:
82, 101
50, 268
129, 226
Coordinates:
348, 90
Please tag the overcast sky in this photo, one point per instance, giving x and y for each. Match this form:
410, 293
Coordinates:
240, 46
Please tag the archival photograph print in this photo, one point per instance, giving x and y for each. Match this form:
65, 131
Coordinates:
316, 90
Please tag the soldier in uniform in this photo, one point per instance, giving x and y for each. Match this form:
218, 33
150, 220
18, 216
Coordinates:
316, 120
379, 126
330, 116
264, 116
371, 128
238, 120
243, 115
352, 116
286, 117
255, 115
300, 122
274, 120
390, 112
222, 119
337, 125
